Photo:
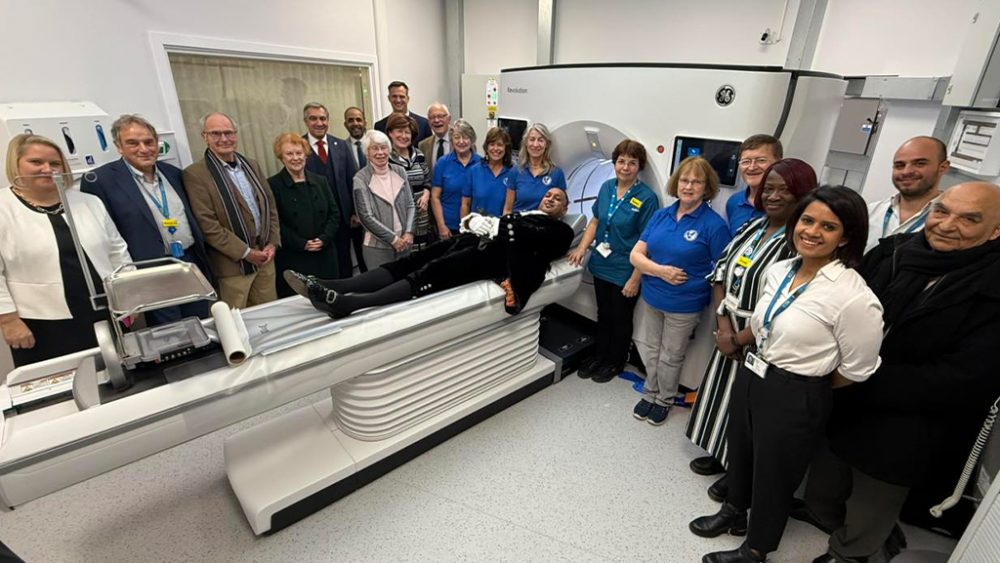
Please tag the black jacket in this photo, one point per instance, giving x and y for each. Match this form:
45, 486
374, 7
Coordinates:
918, 416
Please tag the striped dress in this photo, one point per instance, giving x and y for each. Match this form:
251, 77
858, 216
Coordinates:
710, 415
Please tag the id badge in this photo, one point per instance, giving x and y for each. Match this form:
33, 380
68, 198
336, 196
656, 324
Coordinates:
756, 364
170, 223
744, 262
176, 250
604, 249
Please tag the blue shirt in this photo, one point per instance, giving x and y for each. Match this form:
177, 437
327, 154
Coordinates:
451, 176
488, 192
531, 189
740, 210
622, 232
693, 244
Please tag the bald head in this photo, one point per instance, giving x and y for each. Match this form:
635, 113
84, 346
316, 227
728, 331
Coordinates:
965, 216
917, 168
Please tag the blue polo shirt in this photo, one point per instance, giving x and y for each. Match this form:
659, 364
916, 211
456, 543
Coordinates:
531, 189
451, 176
693, 244
740, 210
488, 192
630, 218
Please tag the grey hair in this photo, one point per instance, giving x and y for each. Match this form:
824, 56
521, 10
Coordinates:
522, 155
464, 128
127, 119
204, 118
438, 105
374, 137
314, 105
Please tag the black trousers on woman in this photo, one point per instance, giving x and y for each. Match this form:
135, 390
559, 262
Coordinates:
775, 425
614, 323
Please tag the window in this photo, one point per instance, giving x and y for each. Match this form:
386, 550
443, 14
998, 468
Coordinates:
265, 97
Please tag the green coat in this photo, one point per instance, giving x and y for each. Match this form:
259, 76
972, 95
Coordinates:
305, 211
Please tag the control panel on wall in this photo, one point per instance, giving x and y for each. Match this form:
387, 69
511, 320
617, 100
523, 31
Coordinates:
975, 143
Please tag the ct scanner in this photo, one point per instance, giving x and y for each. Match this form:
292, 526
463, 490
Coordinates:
405, 377
674, 111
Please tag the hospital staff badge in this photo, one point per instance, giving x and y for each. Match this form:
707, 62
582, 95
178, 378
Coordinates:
635, 202
691, 235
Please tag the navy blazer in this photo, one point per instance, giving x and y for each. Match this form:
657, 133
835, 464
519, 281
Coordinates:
339, 172
127, 206
423, 127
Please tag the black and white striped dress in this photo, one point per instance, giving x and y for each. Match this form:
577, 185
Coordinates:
418, 174
710, 415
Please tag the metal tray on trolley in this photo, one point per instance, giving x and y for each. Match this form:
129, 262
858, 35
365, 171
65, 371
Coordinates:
165, 282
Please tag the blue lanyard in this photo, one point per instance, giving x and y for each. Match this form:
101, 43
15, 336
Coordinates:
164, 207
613, 207
771, 313
919, 223
754, 248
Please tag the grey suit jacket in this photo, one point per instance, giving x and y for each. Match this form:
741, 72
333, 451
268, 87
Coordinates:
427, 147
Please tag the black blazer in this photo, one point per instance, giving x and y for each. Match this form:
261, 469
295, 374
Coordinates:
915, 420
127, 206
339, 172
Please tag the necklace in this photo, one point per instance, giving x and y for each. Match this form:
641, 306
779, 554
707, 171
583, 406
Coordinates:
55, 209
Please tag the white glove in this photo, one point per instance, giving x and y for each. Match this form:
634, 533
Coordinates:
481, 225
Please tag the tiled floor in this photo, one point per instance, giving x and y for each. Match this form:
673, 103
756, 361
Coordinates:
567, 474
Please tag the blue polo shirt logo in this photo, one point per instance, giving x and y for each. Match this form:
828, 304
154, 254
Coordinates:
691, 235
506, 181
546, 180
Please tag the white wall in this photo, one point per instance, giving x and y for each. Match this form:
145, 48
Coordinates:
904, 120
500, 35
720, 32
99, 50
895, 37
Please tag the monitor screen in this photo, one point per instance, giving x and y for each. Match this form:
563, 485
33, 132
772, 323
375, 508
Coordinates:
515, 128
722, 155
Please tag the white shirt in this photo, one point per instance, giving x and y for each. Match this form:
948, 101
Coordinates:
835, 324
883, 220
151, 193
354, 144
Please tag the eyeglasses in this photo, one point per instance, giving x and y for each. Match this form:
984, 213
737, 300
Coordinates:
689, 182
759, 161
220, 134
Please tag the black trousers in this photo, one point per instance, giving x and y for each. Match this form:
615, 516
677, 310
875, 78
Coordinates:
358, 239
614, 322
775, 425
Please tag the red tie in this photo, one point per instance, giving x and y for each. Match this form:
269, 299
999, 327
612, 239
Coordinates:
321, 151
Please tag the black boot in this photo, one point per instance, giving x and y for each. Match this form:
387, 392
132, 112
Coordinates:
706, 465
728, 520
719, 489
742, 554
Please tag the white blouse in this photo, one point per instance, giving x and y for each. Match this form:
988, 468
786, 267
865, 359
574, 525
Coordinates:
30, 278
834, 324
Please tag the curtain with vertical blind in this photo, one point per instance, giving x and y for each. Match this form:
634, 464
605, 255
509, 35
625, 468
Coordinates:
264, 96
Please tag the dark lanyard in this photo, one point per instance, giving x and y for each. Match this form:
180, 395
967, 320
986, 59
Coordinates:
773, 313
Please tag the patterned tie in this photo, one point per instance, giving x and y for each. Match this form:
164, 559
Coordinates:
440, 151
321, 151
362, 161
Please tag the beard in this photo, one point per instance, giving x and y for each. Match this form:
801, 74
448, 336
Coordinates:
917, 190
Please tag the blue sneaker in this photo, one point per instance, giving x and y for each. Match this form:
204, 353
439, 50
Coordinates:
641, 410
657, 414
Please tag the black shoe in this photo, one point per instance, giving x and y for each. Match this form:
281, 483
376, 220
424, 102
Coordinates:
588, 367
324, 299
831, 558
297, 282
741, 554
801, 512
719, 489
728, 520
706, 465
605, 373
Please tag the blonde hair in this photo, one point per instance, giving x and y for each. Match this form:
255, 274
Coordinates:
522, 156
19, 145
703, 167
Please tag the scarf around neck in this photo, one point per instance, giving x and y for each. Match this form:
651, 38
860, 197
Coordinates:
231, 197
